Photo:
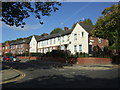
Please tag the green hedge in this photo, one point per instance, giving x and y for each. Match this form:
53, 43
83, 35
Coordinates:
58, 53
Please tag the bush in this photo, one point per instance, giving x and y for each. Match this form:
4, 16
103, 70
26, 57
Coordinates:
58, 53
77, 54
36, 54
8, 54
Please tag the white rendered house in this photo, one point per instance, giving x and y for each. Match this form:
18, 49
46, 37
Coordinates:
75, 40
33, 44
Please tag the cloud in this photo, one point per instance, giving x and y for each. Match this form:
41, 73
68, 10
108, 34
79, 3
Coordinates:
26, 27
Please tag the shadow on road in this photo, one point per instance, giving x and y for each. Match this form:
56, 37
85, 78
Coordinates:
60, 81
36, 64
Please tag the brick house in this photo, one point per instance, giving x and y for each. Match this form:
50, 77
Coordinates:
75, 40
6, 48
20, 46
94, 41
0, 49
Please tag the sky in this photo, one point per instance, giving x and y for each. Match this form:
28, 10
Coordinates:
68, 14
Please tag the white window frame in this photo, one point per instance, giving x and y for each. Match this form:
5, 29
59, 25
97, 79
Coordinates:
80, 48
75, 48
75, 36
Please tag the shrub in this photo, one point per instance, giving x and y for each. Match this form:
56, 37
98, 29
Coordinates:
36, 54
8, 54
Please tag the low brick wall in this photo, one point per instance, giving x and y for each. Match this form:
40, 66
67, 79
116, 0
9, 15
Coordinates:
93, 60
54, 59
89, 60
31, 58
84, 60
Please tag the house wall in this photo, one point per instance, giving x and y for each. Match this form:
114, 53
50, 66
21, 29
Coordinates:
98, 41
80, 40
33, 45
0, 49
6, 48
19, 48
66, 40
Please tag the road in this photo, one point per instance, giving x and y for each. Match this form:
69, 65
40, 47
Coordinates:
42, 74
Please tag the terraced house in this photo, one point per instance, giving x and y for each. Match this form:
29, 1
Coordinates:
20, 46
78, 39
75, 40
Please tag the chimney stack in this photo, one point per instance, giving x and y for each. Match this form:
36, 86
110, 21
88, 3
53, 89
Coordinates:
44, 34
66, 28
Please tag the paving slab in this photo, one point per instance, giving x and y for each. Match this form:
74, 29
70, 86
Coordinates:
9, 74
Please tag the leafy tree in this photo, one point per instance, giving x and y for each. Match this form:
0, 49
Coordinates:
56, 30
108, 25
86, 21
14, 13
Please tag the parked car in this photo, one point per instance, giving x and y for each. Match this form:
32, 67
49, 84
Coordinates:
6, 58
14, 59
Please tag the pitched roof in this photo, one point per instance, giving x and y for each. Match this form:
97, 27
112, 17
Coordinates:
55, 35
37, 37
88, 28
24, 41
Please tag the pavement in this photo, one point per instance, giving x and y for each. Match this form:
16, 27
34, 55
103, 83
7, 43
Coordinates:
10, 75
92, 67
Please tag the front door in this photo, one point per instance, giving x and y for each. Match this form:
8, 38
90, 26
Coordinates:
90, 49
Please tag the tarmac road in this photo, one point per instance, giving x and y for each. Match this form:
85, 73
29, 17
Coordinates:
41, 74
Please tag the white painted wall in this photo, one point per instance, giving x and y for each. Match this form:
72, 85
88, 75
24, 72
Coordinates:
43, 44
80, 40
33, 45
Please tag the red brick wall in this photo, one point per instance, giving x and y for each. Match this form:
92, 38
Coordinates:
92, 60
89, 60
54, 59
104, 42
31, 58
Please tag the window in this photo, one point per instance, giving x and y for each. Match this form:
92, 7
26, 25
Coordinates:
68, 37
58, 38
54, 40
82, 34
50, 49
75, 48
47, 42
54, 48
50, 41
80, 48
62, 47
63, 39
75, 36
99, 40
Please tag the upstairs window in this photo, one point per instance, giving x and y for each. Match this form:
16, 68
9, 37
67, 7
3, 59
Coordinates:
75, 36
68, 37
63, 39
82, 34
50, 41
54, 40
58, 38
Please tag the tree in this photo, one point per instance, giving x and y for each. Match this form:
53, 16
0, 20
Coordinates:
56, 30
86, 21
108, 25
14, 13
